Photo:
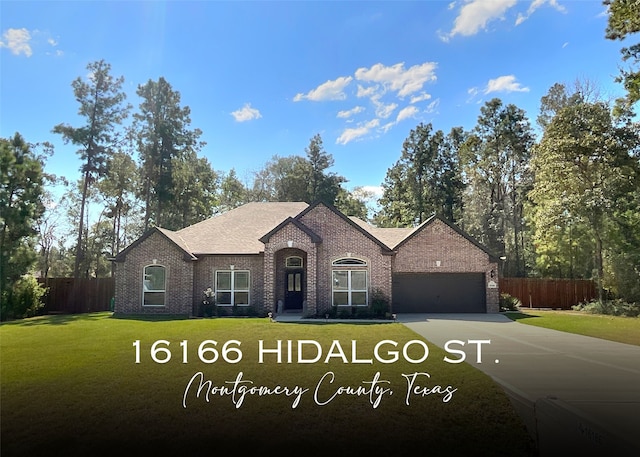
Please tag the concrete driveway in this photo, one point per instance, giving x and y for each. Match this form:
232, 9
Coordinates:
575, 393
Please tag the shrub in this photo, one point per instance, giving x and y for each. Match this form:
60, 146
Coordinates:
609, 307
363, 313
379, 303
509, 303
24, 299
344, 313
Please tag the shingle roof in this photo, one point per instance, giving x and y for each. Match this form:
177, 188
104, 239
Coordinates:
168, 234
389, 236
243, 230
177, 239
238, 231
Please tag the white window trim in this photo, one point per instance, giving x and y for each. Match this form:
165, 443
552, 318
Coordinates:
232, 290
349, 290
286, 261
144, 274
357, 262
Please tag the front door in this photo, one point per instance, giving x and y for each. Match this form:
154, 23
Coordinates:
294, 289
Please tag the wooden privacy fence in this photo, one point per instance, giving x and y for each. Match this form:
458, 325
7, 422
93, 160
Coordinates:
549, 293
84, 295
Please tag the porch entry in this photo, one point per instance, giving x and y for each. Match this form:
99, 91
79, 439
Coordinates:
293, 289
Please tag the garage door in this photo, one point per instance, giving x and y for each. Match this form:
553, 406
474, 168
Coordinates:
439, 293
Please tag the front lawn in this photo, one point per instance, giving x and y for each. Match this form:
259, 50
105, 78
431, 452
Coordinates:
71, 386
614, 328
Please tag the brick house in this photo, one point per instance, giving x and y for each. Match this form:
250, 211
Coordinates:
295, 257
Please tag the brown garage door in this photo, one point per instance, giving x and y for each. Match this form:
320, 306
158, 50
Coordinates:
439, 293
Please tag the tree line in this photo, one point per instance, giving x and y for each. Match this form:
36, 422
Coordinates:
561, 204
566, 205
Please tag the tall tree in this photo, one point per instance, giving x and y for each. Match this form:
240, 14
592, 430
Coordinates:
102, 107
297, 178
396, 208
48, 228
425, 180
21, 190
232, 192
282, 179
585, 166
118, 188
162, 133
624, 254
560, 252
624, 20
556, 98
195, 185
353, 203
323, 185
496, 157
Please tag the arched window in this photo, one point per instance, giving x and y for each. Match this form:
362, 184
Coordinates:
346, 261
349, 282
154, 281
293, 261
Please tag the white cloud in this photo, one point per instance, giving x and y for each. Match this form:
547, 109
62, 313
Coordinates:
566, 43
504, 84
366, 91
433, 106
397, 78
384, 86
246, 113
383, 110
473, 92
17, 41
330, 90
407, 113
351, 134
366, 192
535, 4
476, 14
420, 98
346, 114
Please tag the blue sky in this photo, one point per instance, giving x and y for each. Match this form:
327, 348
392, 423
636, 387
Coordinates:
262, 78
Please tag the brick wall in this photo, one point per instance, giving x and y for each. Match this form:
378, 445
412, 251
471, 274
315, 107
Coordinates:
186, 279
204, 276
341, 239
179, 277
456, 254
274, 253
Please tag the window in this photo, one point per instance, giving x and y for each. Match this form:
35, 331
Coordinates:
154, 285
349, 287
232, 288
348, 261
293, 262
294, 282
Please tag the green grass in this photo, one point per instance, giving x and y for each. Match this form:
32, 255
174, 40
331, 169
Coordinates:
70, 386
614, 328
